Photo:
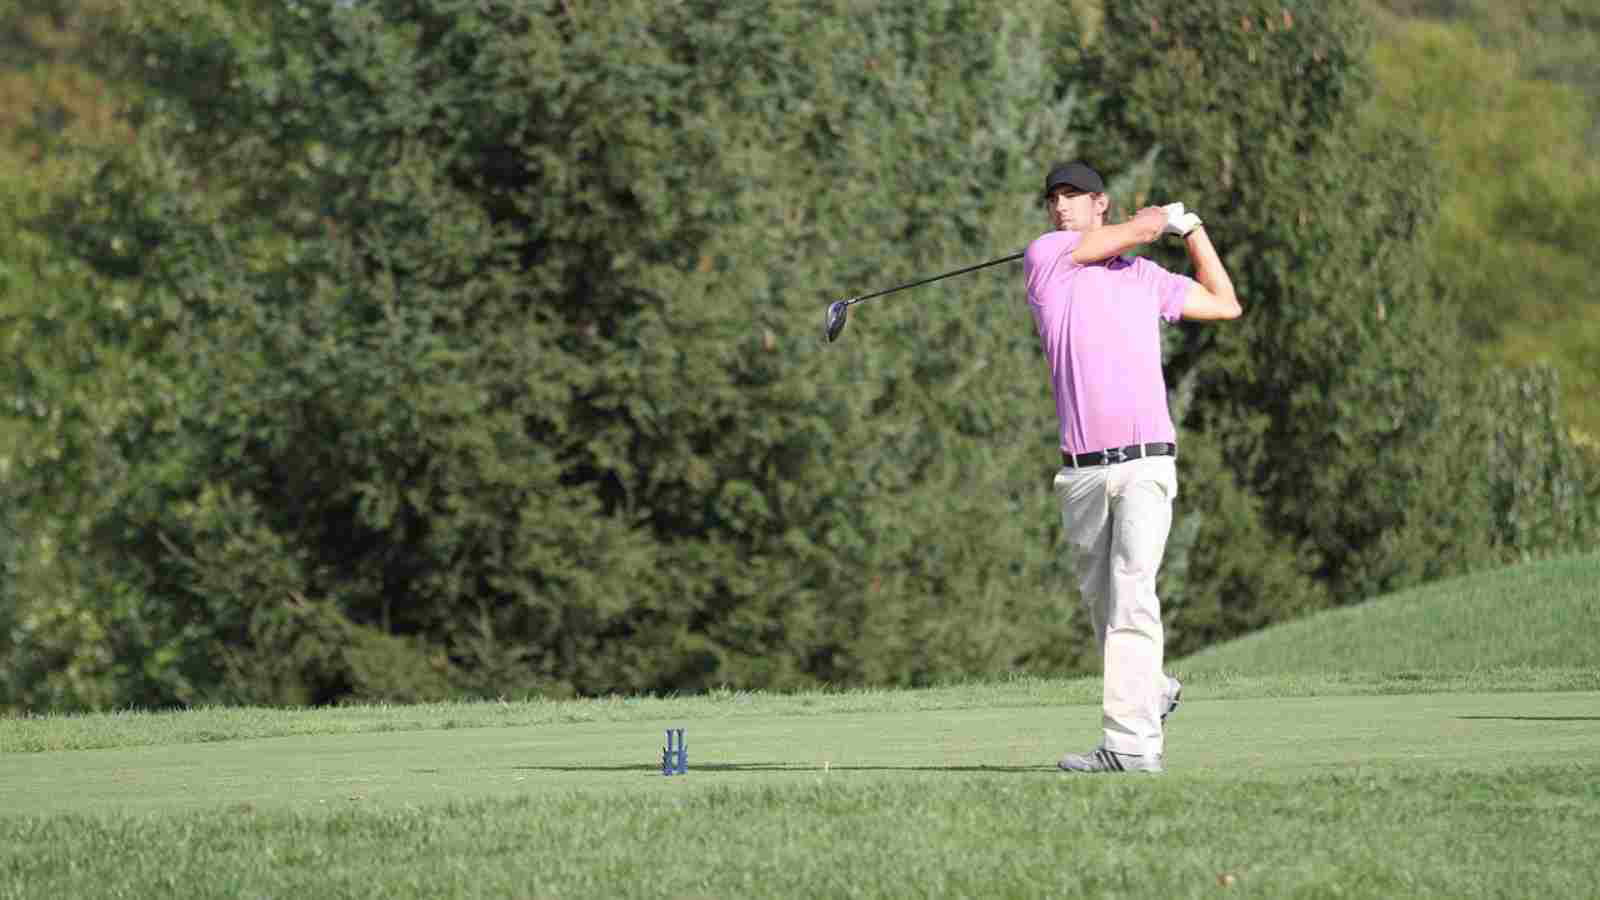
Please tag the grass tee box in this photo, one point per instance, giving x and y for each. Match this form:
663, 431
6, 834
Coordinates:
1455, 795
1450, 782
1223, 739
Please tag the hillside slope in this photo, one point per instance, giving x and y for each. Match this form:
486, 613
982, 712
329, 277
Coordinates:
1543, 614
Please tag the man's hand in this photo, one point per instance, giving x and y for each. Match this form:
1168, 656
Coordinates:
1179, 222
1152, 217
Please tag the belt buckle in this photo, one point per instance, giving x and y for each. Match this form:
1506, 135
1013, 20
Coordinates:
1113, 455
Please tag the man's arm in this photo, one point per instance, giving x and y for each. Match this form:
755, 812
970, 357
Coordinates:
1213, 298
1112, 240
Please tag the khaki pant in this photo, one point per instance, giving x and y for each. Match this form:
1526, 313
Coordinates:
1116, 519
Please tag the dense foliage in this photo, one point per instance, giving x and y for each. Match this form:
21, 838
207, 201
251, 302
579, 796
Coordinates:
1515, 129
431, 347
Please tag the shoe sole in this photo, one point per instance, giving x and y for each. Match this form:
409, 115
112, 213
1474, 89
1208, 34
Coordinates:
1103, 762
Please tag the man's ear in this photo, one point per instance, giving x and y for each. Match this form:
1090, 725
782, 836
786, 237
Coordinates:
1102, 203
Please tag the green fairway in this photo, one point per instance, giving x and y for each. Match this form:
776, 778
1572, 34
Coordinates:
1420, 745
1217, 739
1524, 832
1462, 794
35, 734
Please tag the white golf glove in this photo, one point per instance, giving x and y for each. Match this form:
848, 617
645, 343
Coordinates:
1179, 222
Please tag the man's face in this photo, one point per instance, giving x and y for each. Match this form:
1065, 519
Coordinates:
1075, 210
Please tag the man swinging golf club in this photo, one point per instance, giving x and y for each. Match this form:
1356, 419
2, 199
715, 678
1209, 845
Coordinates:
1098, 315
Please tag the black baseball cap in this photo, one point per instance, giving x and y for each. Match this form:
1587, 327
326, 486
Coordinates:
1075, 174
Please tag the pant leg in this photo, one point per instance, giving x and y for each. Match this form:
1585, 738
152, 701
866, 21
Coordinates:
1141, 517
1086, 525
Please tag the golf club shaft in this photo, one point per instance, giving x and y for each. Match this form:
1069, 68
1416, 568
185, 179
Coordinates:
983, 265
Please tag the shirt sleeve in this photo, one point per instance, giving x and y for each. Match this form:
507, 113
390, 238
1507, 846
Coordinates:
1170, 288
1049, 256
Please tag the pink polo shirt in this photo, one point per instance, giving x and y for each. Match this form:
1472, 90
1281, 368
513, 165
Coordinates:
1099, 327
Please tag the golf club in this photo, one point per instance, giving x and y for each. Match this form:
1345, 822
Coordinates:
838, 310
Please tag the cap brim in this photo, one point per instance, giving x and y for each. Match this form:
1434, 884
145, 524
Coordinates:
1074, 185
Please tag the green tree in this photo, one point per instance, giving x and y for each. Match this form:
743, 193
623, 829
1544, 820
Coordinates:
1521, 208
439, 347
484, 339
1336, 400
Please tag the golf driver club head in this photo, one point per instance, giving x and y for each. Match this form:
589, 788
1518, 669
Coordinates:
837, 311
840, 309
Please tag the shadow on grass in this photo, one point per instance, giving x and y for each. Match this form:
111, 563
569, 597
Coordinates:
787, 767
1536, 718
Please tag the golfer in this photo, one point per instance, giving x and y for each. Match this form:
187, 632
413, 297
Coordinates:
1098, 315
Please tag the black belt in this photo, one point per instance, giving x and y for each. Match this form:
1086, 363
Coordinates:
1118, 455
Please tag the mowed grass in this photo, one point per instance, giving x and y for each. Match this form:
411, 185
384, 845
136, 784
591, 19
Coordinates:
1540, 615
1448, 779
140, 728
1454, 795
1526, 832
1402, 795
